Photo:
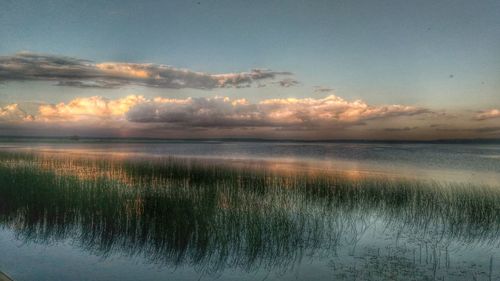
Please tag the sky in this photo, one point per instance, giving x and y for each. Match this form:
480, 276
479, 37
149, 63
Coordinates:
260, 69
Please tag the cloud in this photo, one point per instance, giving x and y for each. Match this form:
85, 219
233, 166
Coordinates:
213, 112
321, 89
215, 116
102, 84
289, 113
199, 112
12, 113
91, 108
288, 82
75, 72
488, 114
246, 78
308, 118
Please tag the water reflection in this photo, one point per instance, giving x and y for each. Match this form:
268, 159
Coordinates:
214, 216
477, 164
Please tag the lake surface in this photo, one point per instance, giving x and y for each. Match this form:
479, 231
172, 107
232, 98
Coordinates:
442, 162
249, 211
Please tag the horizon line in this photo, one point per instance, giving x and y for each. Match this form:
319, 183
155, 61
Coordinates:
77, 138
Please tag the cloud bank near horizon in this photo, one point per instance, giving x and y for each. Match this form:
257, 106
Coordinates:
74, 72
216, 112
290, 113
216, 116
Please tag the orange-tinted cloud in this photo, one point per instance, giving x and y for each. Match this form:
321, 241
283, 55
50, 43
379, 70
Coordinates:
12, 113
91, 108
75, 72
488, 114
216, 112
226, 112
301, 118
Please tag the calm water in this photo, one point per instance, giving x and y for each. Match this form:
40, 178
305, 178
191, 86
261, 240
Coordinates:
249, 211
442, 162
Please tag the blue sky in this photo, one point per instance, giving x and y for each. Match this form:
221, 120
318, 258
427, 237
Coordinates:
441, 55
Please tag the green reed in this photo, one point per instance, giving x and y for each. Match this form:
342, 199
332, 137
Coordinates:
212, 216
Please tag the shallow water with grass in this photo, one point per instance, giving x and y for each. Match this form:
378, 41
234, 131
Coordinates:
253, 211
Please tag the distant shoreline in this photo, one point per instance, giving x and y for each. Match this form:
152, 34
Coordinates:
165, 140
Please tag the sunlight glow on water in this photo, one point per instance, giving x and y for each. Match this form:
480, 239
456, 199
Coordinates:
478, 164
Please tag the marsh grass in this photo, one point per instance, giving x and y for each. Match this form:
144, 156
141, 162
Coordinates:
213, 216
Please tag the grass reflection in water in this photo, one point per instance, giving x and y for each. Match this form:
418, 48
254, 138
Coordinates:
212, 216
